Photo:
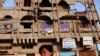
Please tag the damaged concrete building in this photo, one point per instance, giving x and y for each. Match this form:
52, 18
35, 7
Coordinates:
32, 23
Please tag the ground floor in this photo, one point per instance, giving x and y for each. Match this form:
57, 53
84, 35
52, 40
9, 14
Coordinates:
65, 47
18, 51
66, 53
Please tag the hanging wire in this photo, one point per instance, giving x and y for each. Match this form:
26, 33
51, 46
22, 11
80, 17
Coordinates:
37, 16
59, 31
97, 17
19, 9
95, 27
53, 19
92, 28
33, 6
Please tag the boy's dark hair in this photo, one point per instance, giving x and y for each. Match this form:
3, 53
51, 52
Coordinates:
48, 47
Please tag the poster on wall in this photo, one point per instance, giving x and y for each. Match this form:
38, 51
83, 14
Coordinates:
68, 43
8, 26
88, 41
64, 25
98, 46
98, 24
67, 54
21, 54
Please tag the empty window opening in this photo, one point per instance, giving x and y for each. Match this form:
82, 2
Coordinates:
28, 17
8, 17
68, 18
27, 2
45, 3
81, 25
45, 18
84, 23
64, 4
27, 21
27, 25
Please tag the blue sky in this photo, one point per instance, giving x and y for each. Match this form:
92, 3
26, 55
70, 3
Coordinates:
77, 6
81, 7
97, 3
8, 3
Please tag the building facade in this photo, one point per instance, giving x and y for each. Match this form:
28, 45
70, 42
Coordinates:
32, 23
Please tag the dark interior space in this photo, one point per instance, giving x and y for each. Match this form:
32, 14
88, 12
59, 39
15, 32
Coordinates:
27, 25
28, 17
45, 3
64, 4
6, 40
7, 17
27, 2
